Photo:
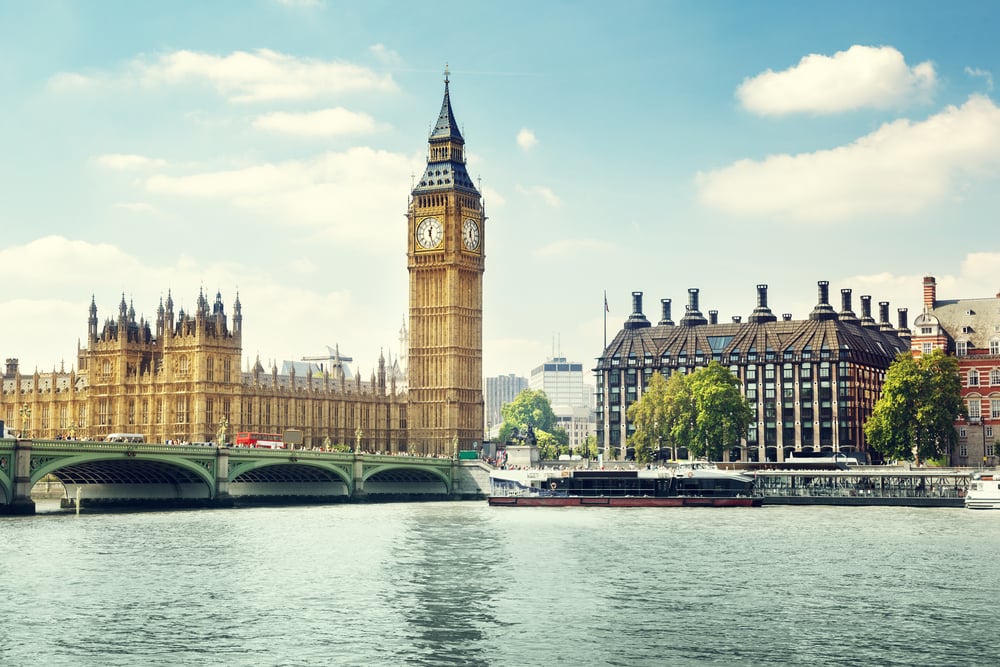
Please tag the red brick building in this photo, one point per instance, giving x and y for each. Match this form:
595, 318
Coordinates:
970, 330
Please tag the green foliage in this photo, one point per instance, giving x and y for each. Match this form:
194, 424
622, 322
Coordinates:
703, 412
722, 413
532, 408
920, 401
649, 417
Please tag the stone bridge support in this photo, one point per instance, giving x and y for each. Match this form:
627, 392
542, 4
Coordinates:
221, 496
358, 492
21, 502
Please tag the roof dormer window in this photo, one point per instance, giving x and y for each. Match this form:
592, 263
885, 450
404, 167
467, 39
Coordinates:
961, 348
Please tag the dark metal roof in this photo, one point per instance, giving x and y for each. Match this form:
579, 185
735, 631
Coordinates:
769, 341
449, 172
446, 126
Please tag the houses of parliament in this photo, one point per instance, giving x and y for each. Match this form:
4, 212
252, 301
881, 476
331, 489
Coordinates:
179, 377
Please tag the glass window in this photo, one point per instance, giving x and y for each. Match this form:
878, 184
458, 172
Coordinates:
973, 378
995, 346
995, 408
961, 348
925, 348
995, 376
974, 404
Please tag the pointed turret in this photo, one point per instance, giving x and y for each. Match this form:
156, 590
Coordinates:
445, 153
92, 321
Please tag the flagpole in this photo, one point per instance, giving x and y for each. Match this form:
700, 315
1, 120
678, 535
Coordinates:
605, 322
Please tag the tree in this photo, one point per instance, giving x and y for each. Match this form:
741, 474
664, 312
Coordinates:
532, 408
723, 414
704, 412
649, 417
916, 413
681, 413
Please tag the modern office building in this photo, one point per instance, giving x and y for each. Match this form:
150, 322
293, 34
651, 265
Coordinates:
500, 391
570, 396
812, 382
970, 330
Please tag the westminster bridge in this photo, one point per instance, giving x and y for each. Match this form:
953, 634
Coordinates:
130, 474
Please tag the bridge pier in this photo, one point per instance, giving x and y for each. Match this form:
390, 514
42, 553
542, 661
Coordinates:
21, 502
221, 495
358, 492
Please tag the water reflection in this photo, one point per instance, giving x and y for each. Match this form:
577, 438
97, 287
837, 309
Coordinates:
444, 580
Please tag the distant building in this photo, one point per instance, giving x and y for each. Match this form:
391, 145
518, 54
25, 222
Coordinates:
970, 330
500, 391
812, 382
568, 393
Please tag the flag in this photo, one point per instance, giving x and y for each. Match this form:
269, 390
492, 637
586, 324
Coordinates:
606, 301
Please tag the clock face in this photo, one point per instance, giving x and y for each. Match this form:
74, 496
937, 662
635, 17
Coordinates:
429, 233
470, 234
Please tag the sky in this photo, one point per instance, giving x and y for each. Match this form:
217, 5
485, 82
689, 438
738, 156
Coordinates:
267, 148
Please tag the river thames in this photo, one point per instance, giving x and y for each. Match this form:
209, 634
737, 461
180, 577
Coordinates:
466, 584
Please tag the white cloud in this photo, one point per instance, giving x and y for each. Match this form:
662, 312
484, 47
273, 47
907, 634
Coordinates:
58, 323
862, 76
259, 76
352, 194
900, 168
323, 123
385, 55
526, 139
492, 197
572, 247
128, 161
976, 277
984, 74
541, 192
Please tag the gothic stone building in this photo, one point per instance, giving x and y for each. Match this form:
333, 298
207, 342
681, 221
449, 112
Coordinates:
970, 330
181, 380
812, 382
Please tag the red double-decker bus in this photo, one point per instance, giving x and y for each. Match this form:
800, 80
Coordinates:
260, 440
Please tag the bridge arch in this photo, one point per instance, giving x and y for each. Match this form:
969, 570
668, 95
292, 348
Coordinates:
304, 478
133, 475
390, 478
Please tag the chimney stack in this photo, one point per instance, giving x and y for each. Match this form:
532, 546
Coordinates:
761, 313
930, 293
866, 312
883, 316
665, 319
713, 317
846, 313
636, 320
693, 316
823, 309
786, 317
903, 330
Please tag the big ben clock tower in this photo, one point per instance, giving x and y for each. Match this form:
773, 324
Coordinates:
445, 252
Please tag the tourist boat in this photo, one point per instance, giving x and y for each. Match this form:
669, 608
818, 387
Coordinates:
984, 491
686, 485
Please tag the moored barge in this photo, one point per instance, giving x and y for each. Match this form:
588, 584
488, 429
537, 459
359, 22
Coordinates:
700, 485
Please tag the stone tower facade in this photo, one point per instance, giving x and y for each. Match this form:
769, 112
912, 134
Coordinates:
446, 239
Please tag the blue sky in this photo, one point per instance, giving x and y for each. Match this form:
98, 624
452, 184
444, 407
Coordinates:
267, 147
